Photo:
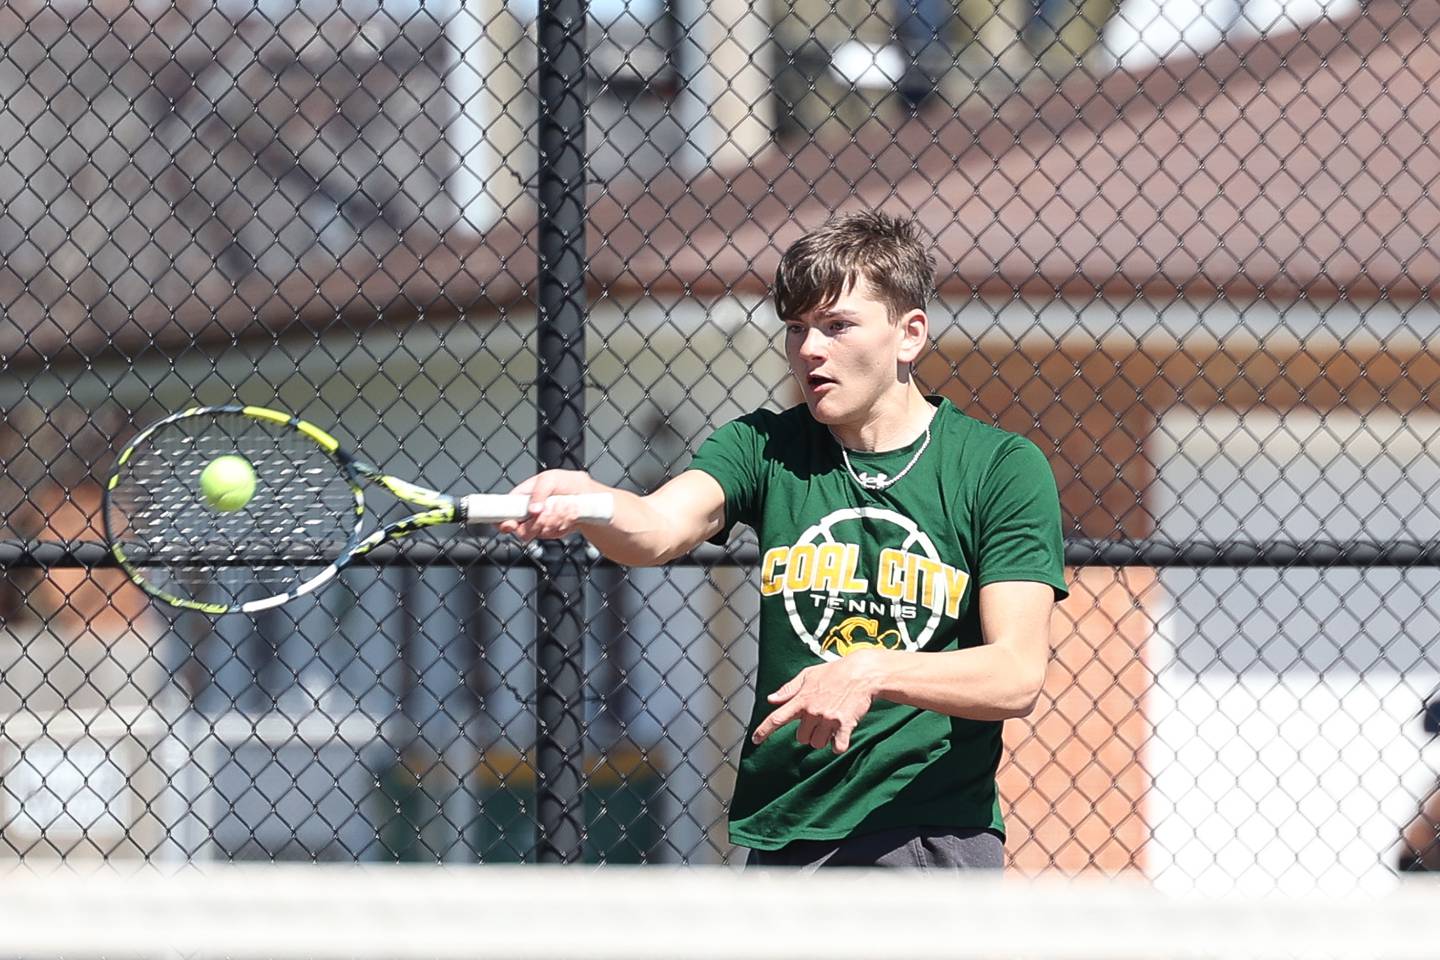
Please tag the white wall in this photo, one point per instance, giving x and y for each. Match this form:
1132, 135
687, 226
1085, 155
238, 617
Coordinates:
1288, 751
1144, 32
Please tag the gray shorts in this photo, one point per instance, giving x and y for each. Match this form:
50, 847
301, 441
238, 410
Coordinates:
923, 848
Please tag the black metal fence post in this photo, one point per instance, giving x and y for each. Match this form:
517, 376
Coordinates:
561, 434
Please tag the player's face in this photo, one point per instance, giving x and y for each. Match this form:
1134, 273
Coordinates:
848, 357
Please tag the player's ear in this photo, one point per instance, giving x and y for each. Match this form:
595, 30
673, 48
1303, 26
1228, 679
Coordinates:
914, 334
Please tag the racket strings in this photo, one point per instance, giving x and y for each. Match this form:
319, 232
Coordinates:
302, 514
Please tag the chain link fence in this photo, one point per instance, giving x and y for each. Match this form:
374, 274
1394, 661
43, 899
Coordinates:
1189, 249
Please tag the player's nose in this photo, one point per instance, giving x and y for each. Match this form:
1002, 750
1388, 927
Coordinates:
812, 345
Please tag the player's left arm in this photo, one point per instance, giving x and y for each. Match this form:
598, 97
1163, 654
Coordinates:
999, 679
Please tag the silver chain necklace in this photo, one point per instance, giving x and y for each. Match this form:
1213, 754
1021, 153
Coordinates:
880, 481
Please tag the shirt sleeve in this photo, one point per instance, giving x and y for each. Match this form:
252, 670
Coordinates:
1020, 536
732, 456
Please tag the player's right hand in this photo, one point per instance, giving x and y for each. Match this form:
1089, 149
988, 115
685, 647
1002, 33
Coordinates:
546, 520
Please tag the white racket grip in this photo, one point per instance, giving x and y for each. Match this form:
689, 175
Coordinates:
482, 508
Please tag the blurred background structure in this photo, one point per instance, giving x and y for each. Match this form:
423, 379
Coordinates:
1188, 248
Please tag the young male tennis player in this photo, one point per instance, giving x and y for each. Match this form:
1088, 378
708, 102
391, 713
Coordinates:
910, 560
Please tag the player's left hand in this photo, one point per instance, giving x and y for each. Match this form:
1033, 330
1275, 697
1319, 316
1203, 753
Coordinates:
828, 699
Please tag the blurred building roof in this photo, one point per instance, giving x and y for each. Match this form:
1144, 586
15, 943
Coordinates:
1305, 164
1301, 165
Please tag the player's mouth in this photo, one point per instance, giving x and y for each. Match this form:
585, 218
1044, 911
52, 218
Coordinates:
820, 384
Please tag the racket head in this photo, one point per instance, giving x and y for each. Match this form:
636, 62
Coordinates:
295, 532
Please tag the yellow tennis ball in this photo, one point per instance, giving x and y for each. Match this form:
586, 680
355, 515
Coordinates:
228, 483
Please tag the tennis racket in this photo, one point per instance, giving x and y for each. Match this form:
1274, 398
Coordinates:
303, 523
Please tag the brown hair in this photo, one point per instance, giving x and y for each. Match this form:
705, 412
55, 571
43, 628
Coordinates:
884, 251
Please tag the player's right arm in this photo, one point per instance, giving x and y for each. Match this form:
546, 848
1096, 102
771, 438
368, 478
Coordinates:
645, 530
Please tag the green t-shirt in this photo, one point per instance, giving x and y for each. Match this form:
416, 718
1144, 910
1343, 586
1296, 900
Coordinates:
841, 567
